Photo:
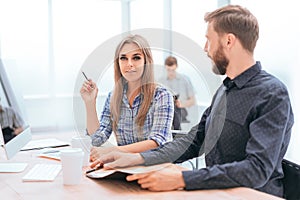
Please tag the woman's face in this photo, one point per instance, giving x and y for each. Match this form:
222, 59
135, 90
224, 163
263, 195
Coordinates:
131, 62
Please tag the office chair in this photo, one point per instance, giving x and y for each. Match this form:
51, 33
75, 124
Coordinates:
291, 180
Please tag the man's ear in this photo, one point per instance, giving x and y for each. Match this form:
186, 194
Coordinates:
231, 38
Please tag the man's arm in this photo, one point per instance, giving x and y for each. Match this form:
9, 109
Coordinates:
187, 103
118, 159
18, 123
166, 179
269, 137
191, 100
170, 152
180, 149
18, 130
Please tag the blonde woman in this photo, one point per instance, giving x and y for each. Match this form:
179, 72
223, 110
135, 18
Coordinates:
138, 111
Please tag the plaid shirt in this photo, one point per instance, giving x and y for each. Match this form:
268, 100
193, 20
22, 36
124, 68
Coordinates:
10, 118
157, 124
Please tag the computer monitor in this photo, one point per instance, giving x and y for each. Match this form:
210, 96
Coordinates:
14, 145
11, 148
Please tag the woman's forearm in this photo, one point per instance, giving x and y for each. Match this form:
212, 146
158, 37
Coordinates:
92, 118
139, 146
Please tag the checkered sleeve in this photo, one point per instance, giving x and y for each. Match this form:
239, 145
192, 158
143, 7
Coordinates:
163, 117
105, 129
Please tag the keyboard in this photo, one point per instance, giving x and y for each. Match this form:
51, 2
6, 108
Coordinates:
42, 172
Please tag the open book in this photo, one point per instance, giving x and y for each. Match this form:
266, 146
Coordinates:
121, 173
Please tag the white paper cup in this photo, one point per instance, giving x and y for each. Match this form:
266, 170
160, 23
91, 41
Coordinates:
83, 142
71, 165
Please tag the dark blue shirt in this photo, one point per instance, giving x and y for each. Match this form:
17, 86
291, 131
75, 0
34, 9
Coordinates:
248, 141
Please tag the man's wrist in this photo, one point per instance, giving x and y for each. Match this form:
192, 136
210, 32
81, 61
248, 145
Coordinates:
138, 159
181, 182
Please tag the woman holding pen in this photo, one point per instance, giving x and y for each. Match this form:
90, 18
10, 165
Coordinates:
138, 111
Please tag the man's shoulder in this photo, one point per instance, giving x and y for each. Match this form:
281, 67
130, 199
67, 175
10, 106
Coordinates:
162, 80
184, 78
180, 75
265, 85
269, 81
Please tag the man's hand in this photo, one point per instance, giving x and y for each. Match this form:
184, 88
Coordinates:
169, 178
118, 159
17, 131
178, 103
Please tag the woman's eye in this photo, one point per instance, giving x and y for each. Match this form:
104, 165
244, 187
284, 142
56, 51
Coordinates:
136, 58
123, 58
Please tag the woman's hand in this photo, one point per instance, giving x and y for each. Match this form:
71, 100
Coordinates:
96, 152
115, 159
89, 91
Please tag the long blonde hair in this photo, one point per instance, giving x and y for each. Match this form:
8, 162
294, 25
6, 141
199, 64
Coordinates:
147, 87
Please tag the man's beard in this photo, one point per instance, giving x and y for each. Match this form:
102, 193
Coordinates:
220, 62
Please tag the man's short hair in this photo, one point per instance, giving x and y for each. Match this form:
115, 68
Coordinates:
171, 61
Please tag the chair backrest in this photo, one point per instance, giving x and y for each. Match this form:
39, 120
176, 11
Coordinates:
291, 180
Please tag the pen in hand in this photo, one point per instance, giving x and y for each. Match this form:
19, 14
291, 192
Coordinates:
94, 169
87, 78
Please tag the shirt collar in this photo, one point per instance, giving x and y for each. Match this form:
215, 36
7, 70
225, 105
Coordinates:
228, 83
126, 88
243, 78
139, 97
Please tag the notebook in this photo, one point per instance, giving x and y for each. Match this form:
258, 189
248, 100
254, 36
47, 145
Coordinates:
44, 143
121, 173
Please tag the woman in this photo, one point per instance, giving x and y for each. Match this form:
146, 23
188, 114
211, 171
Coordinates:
138, 111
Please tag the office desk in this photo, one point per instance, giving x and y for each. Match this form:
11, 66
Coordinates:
12, 187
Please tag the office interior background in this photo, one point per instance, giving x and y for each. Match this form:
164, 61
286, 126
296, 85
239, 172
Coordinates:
43, 44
